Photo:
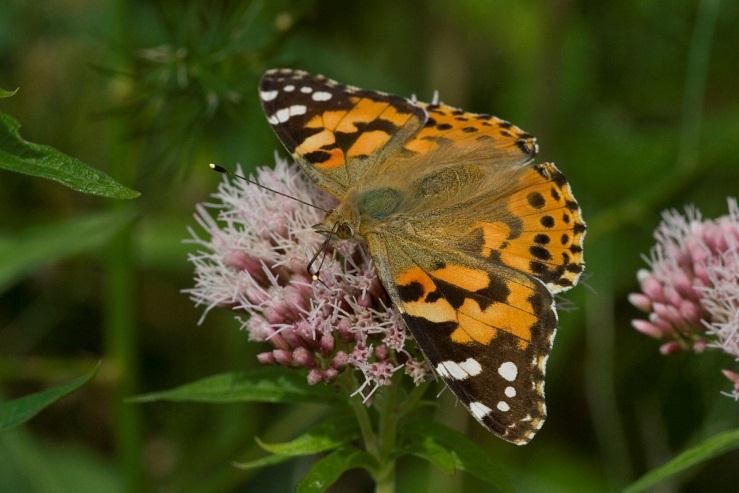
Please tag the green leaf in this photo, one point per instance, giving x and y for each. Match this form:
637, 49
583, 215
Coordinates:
18, 411
327, 470
330, 434
469, 456
428, 449
269, 384
6, 94
21, 156
34, 247
708, 449
268, 460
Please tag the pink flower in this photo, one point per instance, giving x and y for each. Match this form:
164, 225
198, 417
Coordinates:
691, 292
253, 260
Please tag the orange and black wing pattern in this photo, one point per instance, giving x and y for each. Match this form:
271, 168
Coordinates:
452, 133
486, 330
338, 133
536, 227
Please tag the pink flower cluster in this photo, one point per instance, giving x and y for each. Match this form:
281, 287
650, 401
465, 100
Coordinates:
691, 291
254, 261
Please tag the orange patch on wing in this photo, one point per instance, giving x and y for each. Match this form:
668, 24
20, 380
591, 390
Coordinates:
463, 129
439, 311
482, 325
471, 329
316, 141
398, 118
493, 236
549, 243
335, 160
463, 277
420, 146
519, 296
368, 142
364, 111
417, 275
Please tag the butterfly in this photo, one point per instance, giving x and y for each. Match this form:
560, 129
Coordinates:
470, 238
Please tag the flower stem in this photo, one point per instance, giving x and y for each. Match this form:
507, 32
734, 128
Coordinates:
386, 482
389, 416
349, 382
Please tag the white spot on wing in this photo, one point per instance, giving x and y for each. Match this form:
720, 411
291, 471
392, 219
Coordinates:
471, 367
510, 391
459, 371
297, 109
454, 370
306, 89
289, 88
321, 96
503, 406
441, 370
508, 370
282, 115
268, 95
479, 410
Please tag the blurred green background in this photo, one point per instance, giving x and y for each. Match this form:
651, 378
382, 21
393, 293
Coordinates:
637, 102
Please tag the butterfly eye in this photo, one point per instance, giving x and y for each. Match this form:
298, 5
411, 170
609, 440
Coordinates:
344, 231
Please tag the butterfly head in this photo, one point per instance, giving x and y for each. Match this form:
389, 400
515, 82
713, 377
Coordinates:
342, 222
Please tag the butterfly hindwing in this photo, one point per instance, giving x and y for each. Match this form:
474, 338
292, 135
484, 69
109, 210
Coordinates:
486, 330
338, 133
536, 228
453, 133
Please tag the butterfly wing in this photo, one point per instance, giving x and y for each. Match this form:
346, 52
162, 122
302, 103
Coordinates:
452, 135
486, 329
523, 218
337, 133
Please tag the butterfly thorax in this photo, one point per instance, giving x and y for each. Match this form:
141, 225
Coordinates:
362, 211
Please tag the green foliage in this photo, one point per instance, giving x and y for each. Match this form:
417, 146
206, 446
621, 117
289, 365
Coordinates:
18, 411
37, 246
270, 384
6, 94
21, 156
327, 470
328, 435
428, 439
704, 451
427, 448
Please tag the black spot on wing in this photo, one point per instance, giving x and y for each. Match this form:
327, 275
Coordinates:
410, 292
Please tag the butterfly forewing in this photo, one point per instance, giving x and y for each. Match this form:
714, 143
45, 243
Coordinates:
338, 133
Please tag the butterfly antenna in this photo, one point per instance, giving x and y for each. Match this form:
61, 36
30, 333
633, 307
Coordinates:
221, 169
323, 249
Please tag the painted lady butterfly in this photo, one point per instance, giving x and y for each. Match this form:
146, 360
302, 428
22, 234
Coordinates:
470, 238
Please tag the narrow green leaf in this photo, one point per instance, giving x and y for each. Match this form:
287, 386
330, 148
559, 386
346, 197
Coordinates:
327, 470
269, 384
268, 460
470, 457
330, 434
708, 449
23, 252
428, 449
6, 94
18, 411
21, 156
